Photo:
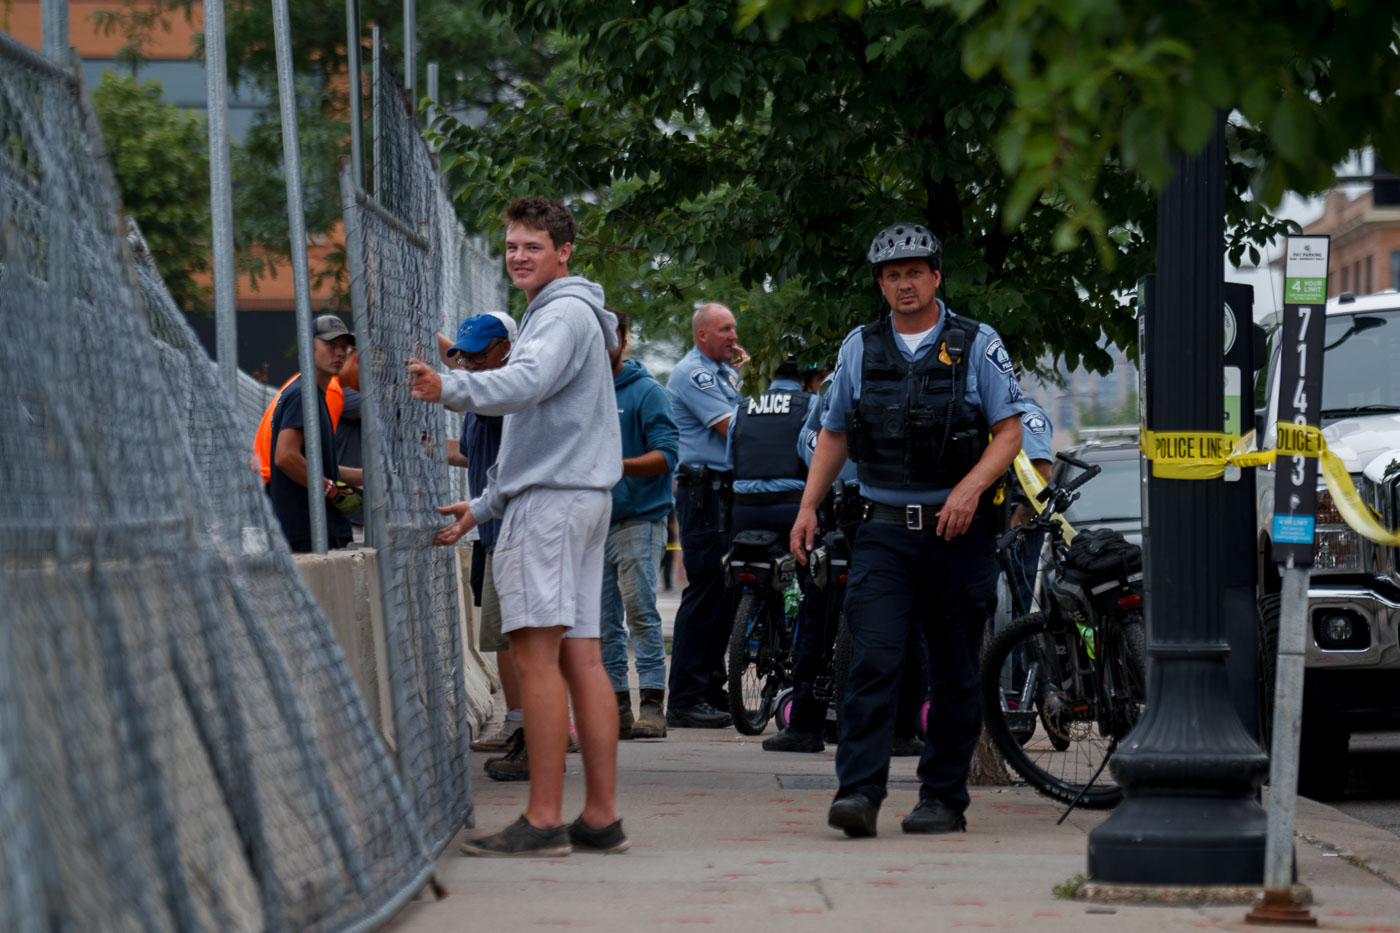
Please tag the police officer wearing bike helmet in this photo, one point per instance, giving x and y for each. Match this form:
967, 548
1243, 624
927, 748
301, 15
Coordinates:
927, 405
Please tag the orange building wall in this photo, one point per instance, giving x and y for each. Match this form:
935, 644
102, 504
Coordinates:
24, 22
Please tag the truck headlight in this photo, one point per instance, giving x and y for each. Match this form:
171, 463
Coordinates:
1335, 546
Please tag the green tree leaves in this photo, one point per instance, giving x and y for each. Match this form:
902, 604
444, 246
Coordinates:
159, 154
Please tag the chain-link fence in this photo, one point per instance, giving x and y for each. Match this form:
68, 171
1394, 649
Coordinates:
396, 265
181, 744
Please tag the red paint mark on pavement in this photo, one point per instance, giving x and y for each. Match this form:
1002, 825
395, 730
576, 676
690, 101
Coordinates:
780, 800
697, 793
896, 869
1046, 913
792, 822
883, 884
768, 861
739, 874
797, 810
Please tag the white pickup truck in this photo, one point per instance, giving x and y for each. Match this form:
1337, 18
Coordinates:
1352, 682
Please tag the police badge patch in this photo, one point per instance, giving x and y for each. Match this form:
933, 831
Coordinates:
1036, 423
998, 356
703, 379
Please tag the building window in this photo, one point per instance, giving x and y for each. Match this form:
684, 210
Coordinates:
183, 82
1368, 275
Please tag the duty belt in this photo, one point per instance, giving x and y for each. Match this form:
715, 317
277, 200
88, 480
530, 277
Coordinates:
702, 481
912, 517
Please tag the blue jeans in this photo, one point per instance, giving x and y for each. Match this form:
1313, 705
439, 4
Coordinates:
631, 558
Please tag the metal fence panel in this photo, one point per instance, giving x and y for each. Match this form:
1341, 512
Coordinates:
181, 743
396, 262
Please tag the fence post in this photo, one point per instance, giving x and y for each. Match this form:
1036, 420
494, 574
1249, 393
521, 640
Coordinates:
301, 284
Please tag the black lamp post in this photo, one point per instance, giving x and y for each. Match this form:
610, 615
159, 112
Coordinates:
1190, 770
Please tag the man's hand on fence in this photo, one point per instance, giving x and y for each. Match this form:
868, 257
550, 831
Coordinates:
464, 522
424, 383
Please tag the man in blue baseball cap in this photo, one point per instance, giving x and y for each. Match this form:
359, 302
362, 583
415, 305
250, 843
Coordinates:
484, 342
477, 335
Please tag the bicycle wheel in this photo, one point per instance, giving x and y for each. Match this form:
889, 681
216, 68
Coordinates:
841, 664
753, 684
1125, 672
1040, 653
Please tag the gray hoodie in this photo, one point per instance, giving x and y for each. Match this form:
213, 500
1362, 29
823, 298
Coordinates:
556, 393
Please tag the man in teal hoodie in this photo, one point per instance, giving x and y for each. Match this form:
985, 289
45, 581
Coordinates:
641, 500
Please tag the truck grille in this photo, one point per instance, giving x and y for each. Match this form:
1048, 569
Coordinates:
1384, 497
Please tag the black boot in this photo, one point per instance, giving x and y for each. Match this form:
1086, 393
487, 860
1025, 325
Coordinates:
624, 714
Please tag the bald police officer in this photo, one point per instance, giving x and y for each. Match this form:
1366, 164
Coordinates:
704, 390
927, 405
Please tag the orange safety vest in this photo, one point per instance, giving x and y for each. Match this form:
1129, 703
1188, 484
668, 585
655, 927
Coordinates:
261, 461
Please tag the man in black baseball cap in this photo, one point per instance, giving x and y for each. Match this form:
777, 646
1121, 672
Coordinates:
290, 473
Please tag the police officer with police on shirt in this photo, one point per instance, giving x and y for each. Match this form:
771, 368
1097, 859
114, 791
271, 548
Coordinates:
704, 390
927, 405
769, 473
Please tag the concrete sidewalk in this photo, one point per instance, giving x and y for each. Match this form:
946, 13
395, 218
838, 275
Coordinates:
725, 835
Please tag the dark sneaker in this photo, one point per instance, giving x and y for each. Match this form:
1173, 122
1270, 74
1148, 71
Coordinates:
608, 840
906, 746
933, 816
499, 741
521, 840
792, 740
854, 815
514, 766
700, 716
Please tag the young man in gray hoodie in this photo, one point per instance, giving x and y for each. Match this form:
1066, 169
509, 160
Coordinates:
551, 486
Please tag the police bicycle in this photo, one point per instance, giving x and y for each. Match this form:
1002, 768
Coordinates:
759, 571
829, 565
1062, 687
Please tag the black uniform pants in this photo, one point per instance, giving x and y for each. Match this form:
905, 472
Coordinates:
701, 633
905, 582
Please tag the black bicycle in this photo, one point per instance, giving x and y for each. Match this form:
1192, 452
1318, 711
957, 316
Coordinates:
759, 570
1062, 687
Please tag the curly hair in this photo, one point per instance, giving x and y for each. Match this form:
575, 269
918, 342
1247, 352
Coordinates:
540, 213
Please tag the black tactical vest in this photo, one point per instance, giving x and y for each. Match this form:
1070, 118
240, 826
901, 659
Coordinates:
912, 428
764, 435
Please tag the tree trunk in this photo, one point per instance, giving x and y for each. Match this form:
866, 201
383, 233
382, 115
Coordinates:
988, 766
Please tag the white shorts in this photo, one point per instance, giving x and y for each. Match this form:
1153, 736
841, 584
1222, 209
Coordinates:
548, 564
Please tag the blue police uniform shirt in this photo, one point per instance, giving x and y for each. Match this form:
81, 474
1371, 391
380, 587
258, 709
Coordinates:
807, 440
1036, 432
703, 393
991, 389
775, 484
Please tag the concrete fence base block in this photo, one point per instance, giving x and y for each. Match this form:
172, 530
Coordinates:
346, 586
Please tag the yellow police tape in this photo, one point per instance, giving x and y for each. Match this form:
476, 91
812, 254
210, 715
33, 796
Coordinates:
1032, 482
1205, 455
